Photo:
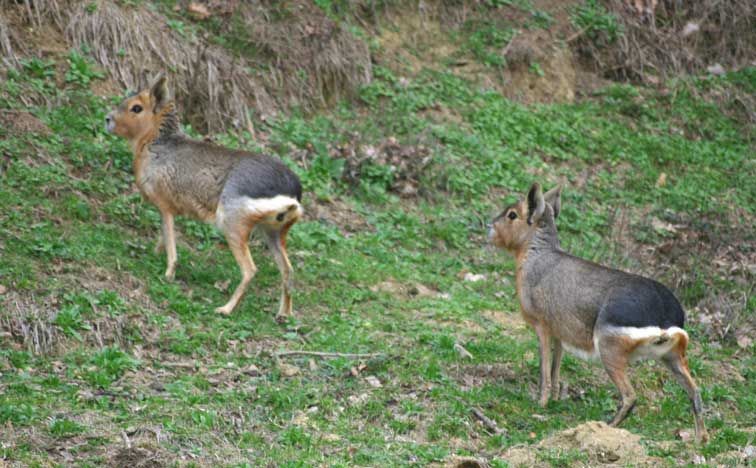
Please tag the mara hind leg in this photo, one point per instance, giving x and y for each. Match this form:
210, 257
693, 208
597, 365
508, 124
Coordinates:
677, 362
237, 236
275, 237
615, 355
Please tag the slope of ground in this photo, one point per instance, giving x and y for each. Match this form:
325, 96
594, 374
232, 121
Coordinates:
103, 363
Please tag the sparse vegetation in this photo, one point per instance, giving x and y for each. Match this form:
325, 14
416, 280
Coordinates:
99, 353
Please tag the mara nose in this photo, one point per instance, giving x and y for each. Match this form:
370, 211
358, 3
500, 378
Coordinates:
109, 123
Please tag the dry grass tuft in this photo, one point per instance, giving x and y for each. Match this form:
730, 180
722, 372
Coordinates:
38, 12
684, 37
313, 60
9, 44
132, 44
30, 323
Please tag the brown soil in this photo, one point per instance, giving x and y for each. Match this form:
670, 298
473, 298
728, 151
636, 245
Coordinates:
138, 457
19, 122
337, 213
602, 444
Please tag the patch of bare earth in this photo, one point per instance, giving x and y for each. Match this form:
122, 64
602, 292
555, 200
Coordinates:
337, 213
540, 67
602, 444
20, 122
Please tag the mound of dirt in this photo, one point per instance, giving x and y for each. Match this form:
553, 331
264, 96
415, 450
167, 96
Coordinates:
137, 457
602, 444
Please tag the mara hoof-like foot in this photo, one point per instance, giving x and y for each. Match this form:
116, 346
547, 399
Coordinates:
225, 310
170, 273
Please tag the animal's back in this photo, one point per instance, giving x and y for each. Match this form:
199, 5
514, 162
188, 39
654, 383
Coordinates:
579, 296
190, 176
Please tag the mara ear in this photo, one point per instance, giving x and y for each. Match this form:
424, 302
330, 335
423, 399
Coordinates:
536, 204
159, 91
554, 198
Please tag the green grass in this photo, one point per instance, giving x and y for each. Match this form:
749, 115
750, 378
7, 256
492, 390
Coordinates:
133, 353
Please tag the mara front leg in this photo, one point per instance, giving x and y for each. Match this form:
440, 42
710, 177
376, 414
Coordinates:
555, 365
168, 241
544, 349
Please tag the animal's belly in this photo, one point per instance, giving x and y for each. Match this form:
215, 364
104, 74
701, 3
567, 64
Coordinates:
182, 201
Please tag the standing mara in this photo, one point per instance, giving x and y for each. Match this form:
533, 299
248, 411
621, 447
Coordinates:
236, 190
591, 310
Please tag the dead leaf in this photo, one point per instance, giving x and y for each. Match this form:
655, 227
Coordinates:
660, 225
744, 341
662, 180
252, 370
355, 399
288, 370
684, 435
463, 353
222, 286
355, 371
3, 290
300, 419
198, 10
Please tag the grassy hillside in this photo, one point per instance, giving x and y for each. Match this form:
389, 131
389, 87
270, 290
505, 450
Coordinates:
103, 362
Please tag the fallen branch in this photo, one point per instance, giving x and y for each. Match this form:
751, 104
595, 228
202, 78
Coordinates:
327, 355
489, 423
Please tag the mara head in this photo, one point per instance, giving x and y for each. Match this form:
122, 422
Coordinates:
516, 226
142, 113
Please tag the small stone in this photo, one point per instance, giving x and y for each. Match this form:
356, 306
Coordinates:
373, 381
473, 278
252, 370
690, 28
716, 69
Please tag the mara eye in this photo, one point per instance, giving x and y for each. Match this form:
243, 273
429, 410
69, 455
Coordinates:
136, 109
512, 215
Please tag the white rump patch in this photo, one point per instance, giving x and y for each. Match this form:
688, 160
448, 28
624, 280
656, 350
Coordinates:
658, 341
276, 204
277, 210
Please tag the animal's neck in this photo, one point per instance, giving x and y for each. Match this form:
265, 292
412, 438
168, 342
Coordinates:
166, 124
544, 239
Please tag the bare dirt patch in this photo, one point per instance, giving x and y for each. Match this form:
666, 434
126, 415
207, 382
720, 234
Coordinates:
601, 444
338, 213
512, 322
20, 122
145, 456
